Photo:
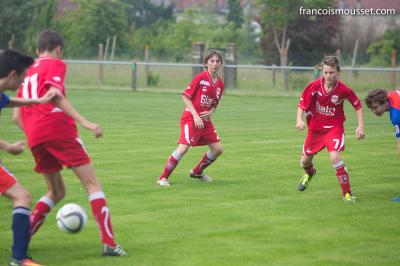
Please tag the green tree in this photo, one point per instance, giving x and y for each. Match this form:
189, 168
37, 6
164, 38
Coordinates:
43, 18
381, 50
15, 18
92, 23
235, 13
143, 13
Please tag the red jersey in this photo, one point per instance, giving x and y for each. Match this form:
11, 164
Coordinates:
325, 110
203, 93
45, 122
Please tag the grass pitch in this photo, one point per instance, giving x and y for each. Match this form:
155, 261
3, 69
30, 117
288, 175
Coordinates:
252, 214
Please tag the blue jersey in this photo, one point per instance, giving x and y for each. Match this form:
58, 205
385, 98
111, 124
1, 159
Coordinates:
394, 109
4, 100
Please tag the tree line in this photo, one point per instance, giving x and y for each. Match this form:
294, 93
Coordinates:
265, 31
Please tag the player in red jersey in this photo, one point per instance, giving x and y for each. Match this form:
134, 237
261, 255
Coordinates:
381, 101
53, 139
12, 70
201, 98
322, 103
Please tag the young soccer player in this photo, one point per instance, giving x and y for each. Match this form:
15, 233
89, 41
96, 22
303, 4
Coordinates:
381, 101
322, 103
201, 98
53, 139
12, 70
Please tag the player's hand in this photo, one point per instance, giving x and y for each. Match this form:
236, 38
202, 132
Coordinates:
205, 116
16, 148
360, 134
95, 128
198, 122
300, 125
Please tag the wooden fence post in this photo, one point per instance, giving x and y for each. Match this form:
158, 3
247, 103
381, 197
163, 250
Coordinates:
230, 74
146, 60
197, 57
101, 66
393, 64
134, 75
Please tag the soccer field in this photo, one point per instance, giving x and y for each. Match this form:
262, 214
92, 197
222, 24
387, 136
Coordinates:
252, 214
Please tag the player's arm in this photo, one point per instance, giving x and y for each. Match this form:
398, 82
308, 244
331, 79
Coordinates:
398, 146
360, 134
13, 148
15, 101
207, 114
68, 109
16, 117
198, 122
300, 125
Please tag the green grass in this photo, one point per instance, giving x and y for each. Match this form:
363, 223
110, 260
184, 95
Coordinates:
252, 214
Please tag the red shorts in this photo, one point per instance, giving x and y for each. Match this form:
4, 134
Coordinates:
190, 135
51, 156
316, 140
7, 179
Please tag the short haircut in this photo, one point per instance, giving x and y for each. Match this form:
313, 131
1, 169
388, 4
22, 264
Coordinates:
376, 96
49, 40
332, 61
210, 54
13, 60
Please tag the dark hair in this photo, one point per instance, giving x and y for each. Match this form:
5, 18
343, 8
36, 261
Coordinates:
210, 54
376, 96
49, 40
13, 60
332, 61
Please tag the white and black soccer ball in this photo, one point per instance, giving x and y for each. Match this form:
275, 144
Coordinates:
71, 218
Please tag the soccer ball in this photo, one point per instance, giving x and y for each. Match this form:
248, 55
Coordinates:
71, 218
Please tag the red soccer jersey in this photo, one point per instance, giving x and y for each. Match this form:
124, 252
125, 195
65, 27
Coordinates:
203, 93
45, 122
325, 110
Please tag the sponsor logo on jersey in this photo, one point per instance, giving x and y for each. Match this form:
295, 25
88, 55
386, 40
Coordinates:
325, 110
335, 100
205, 100
204, 82
204, 88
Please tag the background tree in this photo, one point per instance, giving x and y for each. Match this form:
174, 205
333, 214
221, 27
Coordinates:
380, 51
15, 18
92, 23
43, 18
235, 13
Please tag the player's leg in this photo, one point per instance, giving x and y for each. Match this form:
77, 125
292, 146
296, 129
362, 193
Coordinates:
172, 162
310, 171
312, 145
21, 199
342, 175
87, 176
55, 193
209, 157
335, 144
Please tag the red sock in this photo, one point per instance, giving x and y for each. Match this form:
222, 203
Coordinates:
102, 216
169, 167
343, 177
39, 213
310, 170
203, 164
